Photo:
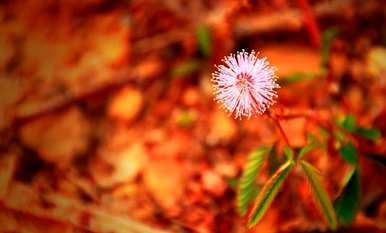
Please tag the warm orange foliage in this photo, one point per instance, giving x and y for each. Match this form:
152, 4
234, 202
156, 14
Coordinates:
108, 124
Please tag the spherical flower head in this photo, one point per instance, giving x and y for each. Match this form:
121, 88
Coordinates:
245, 85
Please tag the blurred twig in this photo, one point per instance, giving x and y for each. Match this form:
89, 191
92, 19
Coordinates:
310, 23
63, 100
286, 20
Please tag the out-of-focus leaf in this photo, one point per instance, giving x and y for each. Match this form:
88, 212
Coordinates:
320, 194
369, 133
185, 68
339, 135
186, 118
349, 153
288, 152
311, 138
247, 182
381, 159
233, 182
376, 62
324, 132
327, 38
312, 144
268, 193
306, 149
349, 123
347, 203
204, 40
296, 77
252, 193
274, 160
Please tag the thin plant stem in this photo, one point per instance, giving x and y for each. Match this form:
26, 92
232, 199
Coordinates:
279, 126
282, 132
310, 22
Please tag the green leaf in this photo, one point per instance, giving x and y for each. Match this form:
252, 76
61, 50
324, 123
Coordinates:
268, 193
247, 182
274, 160
288, 152
369, 133
233, 183
324, 132
312, 144
186, 118
307, 149
347, 203
185, 68
349, 123
296, 77
349, 153
339, 135
327, 38
204, 40
320, 194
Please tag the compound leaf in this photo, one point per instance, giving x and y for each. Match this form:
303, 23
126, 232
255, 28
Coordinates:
349, 153
268, 192
347, 203
320, 194
246, 188
369, 133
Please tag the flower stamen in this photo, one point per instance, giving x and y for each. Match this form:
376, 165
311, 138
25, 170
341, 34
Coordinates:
245, 85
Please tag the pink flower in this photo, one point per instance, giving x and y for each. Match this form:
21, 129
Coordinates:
245, 85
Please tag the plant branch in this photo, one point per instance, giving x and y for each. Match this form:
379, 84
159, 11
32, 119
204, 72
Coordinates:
279, 126
310, 22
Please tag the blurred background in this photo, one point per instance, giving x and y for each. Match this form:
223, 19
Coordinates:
108, 124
